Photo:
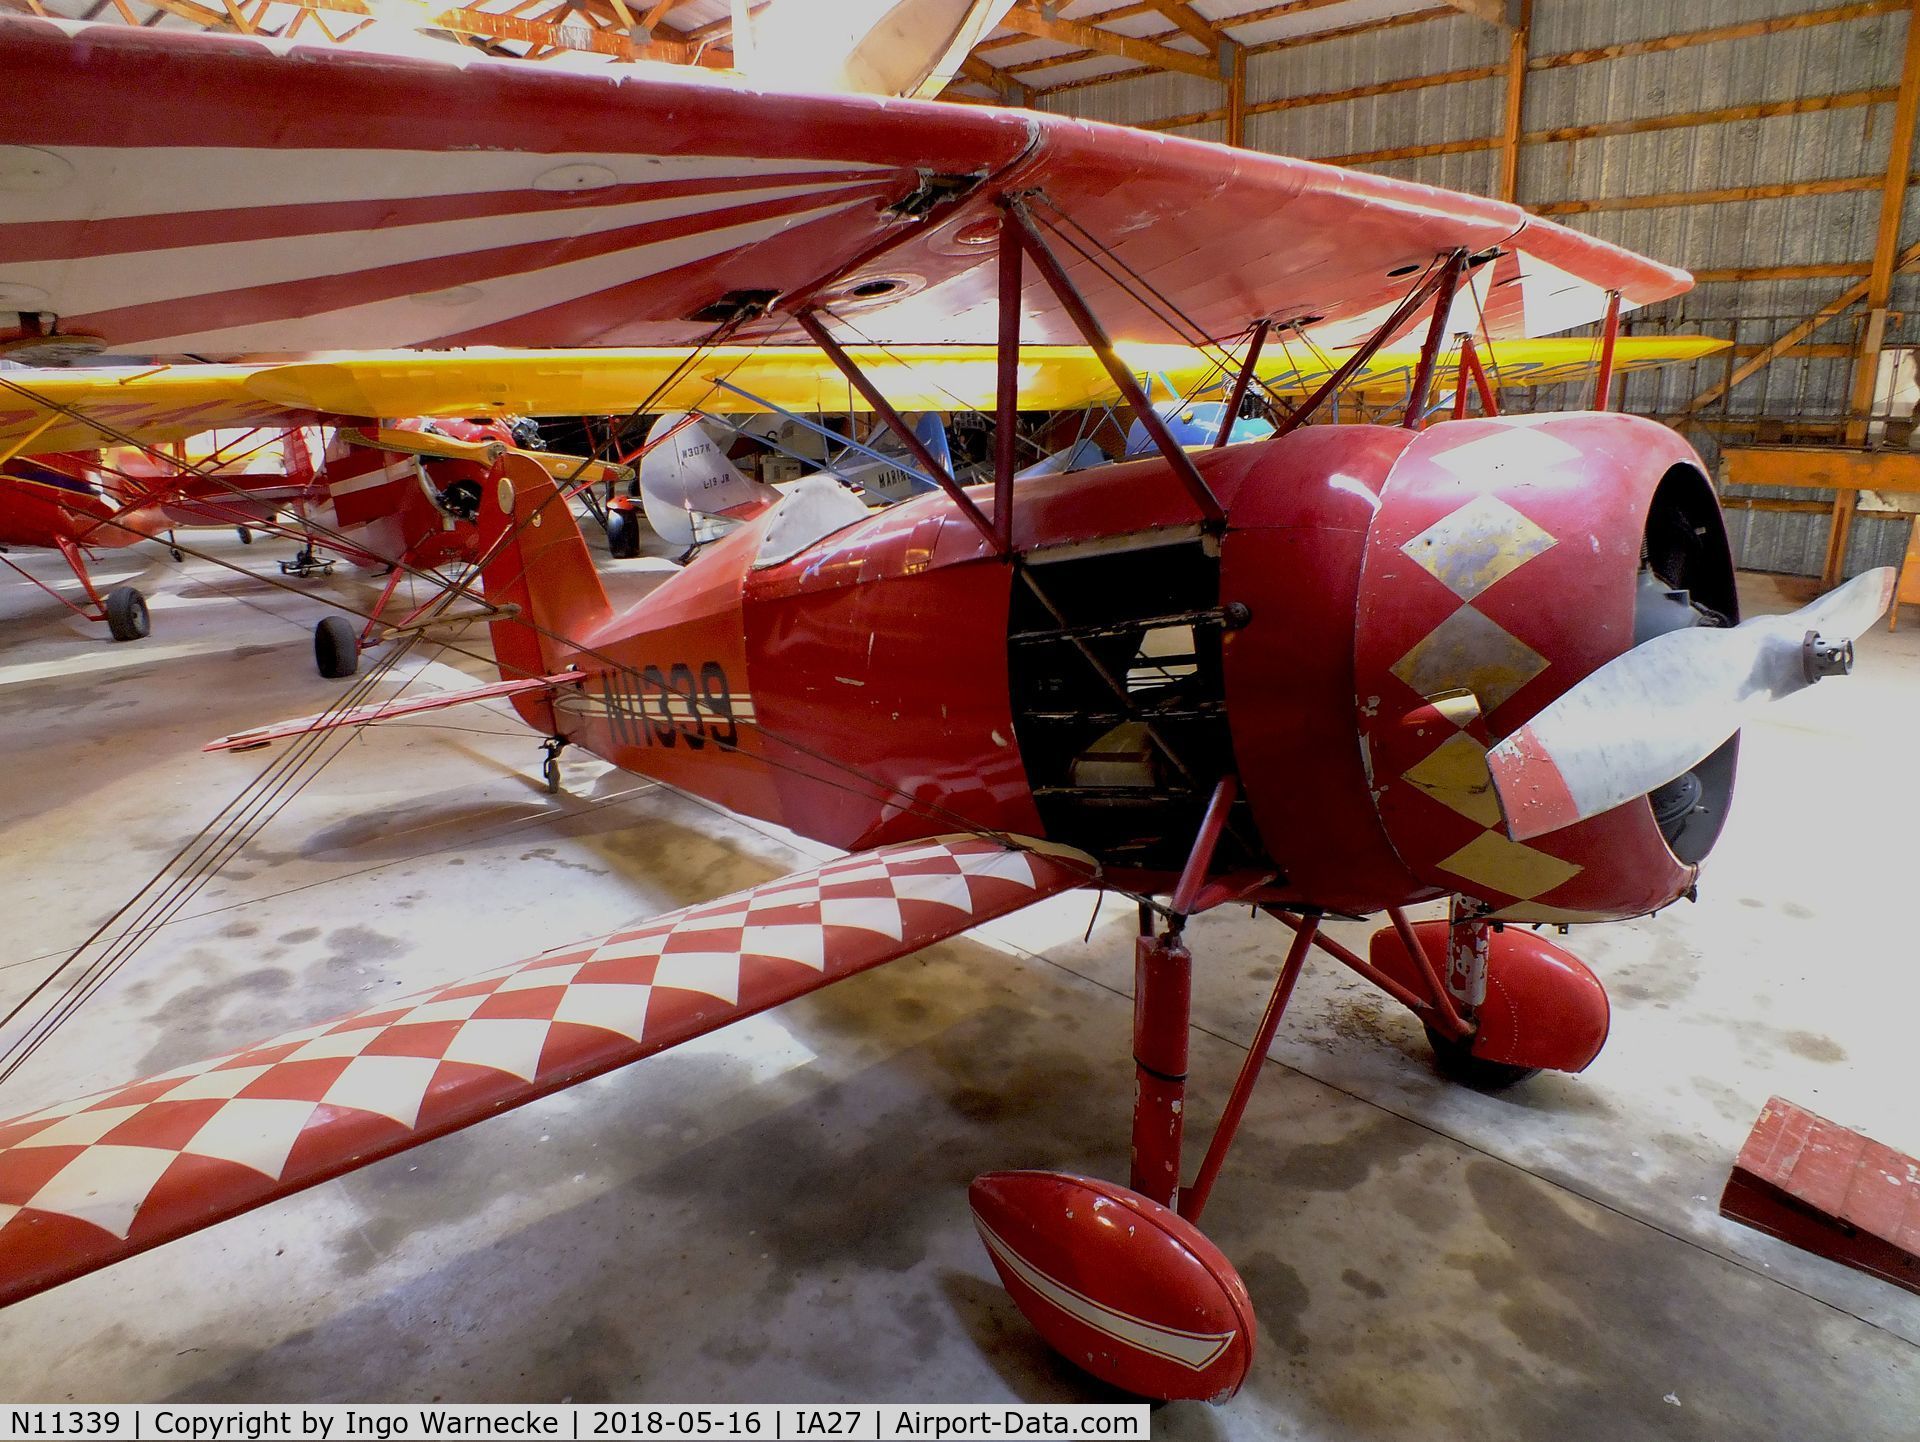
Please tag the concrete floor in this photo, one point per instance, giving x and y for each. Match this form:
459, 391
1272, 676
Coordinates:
778, 1213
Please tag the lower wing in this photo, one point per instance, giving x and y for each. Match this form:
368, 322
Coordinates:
87, 1183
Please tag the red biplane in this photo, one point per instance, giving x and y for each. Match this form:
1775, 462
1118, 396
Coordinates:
1345, 670
396, 499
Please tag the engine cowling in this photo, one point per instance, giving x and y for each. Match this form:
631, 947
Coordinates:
1508, 559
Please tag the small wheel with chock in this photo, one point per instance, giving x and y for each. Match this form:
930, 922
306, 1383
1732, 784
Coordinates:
550, 763
127, 617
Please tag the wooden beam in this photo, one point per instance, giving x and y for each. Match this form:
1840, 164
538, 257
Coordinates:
1836, 469
1237, 96
1680, 120
1494, 12
1273, 12
1515, 103
1385, 87
1391, 22
1362, 27
716, 28
1779, 24
1410, 152
1725, 115
1196, 25
1091, 37
1818, 270
1893, 197
1792, 337
1119, 12
1838, 186
995, 79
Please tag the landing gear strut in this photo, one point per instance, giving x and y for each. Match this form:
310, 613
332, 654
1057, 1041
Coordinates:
1120, 1280
124, 609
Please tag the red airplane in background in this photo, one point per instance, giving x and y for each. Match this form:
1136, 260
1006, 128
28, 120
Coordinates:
1495, 661
399, 500
80, 503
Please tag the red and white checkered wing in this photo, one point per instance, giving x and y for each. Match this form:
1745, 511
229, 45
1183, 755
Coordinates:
89, 1182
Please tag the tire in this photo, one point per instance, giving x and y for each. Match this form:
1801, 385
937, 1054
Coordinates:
177, 554
1453, 1061
336, 649
127, 615
550, 773
623, 535
246, 536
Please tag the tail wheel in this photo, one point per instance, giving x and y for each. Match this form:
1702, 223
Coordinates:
246, 536
623, 535
336, 649
127, 614
1454, 1060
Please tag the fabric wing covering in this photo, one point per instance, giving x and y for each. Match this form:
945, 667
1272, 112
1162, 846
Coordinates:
87, 1183
181, 193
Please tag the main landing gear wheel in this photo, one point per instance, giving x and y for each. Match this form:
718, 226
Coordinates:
623, 535
336, 649
127, 614
1454, 1061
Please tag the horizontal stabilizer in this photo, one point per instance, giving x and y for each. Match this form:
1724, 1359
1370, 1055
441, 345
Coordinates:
387, 711
569, 470
90, 1182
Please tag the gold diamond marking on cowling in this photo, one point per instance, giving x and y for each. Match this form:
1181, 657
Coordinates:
1467, 650
1470, 548
1455, 774
1490, 862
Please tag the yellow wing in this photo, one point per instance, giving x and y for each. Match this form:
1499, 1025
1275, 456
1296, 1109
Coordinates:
80, 410
1508, 363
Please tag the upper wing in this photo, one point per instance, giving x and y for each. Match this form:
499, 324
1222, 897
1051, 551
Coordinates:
91, 410
89, 1182
284, 198
80, 409
84, 409
1507, 363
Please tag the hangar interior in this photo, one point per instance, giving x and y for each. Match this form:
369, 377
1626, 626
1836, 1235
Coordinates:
779, 1211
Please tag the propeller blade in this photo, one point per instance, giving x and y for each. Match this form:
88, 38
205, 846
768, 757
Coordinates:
1653, 713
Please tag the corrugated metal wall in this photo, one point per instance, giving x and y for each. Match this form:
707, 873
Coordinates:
1847, 146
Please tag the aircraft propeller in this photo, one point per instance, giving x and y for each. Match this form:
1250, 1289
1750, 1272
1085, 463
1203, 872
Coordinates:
1654, 712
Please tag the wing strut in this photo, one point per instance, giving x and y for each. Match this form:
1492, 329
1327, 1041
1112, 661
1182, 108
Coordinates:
1239, 392
882, 407
1084, 320
1436, 337
1364, 352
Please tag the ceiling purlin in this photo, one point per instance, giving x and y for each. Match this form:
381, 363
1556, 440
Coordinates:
1027, 18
